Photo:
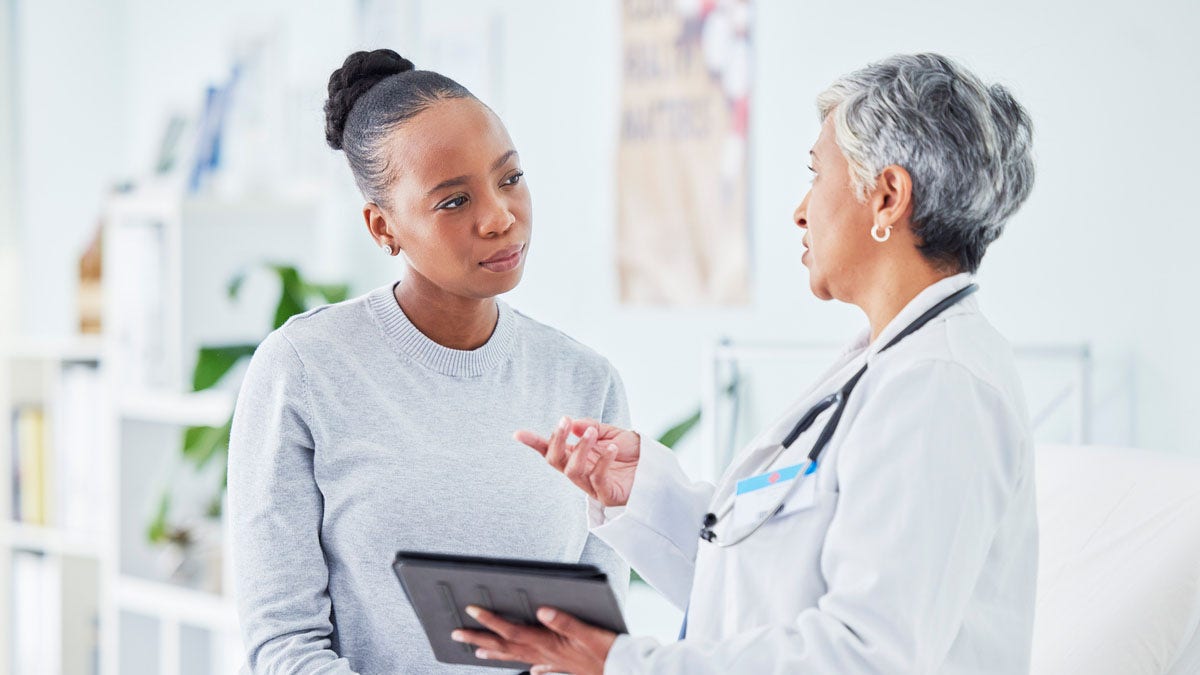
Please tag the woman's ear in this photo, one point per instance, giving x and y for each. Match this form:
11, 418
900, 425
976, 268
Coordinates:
892, 201
377, 225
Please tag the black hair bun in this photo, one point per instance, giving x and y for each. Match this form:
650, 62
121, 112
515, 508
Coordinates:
360, 72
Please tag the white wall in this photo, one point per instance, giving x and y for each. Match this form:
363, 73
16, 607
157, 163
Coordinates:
8, 191
1101, 251
69, 93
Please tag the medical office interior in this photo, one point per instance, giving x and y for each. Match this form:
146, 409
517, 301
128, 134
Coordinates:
166, 196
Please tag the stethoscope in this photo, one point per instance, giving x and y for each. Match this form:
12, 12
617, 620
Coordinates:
806, 420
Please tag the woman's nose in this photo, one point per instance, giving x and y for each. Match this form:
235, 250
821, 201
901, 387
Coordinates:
497, 221
800, 216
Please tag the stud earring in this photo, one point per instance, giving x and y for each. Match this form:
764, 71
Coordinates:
387, 249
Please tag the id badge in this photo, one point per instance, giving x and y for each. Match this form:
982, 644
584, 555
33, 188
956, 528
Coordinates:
758, 497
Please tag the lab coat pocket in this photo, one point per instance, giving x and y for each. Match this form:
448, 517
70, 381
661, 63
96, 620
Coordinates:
803, 498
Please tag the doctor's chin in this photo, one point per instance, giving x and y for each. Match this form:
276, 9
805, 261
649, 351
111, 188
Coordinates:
638, 337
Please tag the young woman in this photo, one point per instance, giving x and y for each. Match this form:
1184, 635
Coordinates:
385, 422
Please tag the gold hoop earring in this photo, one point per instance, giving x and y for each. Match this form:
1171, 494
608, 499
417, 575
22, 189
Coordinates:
887, 233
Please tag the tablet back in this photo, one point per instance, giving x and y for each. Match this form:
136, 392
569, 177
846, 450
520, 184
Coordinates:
440, 587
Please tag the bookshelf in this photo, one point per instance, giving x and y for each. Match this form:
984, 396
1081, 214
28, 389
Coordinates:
82, 589
50, 398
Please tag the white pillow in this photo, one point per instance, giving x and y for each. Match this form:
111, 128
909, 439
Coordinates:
1119, 569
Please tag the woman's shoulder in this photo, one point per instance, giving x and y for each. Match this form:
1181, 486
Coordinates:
323, 327
540, 340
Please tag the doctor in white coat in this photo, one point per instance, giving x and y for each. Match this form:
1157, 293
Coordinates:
886, 523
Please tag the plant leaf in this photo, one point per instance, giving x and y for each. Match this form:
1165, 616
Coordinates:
673, 435
156, 533
201, 444
235, 285
214, 362
291, 296
330, 293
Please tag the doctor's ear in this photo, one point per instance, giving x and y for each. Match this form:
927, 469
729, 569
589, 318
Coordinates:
377, 225
891, 201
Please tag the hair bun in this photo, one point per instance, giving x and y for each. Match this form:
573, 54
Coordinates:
359, 72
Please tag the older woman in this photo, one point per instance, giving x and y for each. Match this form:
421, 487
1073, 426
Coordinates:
886, 523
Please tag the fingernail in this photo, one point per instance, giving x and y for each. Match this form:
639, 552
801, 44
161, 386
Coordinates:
457, 636
547, 614
481, 654
590, 433
473, 611
564, 423
612, 447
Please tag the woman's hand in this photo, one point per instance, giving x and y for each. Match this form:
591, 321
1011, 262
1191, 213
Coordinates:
602, 463
565, 645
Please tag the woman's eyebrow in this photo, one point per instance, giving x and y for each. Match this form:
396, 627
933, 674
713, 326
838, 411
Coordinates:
462, 180
503, 158
449, 182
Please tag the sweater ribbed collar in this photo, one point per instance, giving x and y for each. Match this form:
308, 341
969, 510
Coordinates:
410, 341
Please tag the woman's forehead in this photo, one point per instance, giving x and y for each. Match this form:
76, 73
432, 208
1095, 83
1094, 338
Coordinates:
451, 138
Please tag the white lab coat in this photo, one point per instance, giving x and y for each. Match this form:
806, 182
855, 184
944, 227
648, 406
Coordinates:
916, 551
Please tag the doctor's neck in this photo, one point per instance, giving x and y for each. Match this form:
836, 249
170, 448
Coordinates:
894, 284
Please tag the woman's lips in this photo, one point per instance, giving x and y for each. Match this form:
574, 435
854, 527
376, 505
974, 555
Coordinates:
504, 261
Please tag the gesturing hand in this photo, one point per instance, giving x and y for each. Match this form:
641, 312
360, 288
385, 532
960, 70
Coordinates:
602, 463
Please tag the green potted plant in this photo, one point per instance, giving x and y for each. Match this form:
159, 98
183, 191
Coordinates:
203, 445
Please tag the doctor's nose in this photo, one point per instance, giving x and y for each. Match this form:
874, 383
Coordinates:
800, 215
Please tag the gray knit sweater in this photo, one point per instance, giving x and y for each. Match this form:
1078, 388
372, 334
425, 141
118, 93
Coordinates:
356, 436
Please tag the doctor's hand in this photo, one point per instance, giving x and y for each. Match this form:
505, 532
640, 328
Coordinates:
565, 645
602, 463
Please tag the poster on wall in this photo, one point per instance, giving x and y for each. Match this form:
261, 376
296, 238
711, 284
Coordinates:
682, 210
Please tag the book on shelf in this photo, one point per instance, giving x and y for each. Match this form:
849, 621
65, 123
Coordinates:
36, 594
55, 603
31, 466
138, 311
76, 437
55, 458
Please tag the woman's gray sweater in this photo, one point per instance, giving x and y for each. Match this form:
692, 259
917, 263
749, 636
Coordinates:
356, 436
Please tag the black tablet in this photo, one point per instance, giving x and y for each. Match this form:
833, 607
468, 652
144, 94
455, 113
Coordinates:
440, 587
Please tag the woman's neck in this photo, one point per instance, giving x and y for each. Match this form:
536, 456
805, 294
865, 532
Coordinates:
450, 320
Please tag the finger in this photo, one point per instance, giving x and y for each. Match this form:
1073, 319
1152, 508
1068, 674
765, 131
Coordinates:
599, 475
577, 466
581, 425
511, 632
542, 669
479, 639
532, 440
571, 628
556, 451
494, 655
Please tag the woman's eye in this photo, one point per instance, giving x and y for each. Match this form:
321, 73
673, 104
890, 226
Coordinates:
514, 179
453, 203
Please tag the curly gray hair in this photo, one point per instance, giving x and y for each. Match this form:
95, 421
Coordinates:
966, 145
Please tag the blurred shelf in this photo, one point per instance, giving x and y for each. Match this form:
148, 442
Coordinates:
177, 604
48, 540
79, 348
202, 408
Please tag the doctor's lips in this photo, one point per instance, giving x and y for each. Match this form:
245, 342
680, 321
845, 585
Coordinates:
505, 259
